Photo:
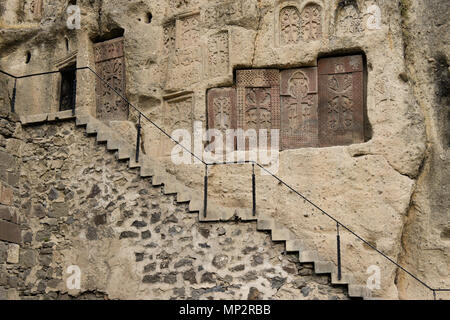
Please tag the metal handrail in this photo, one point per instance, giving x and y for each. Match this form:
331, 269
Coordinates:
253, 163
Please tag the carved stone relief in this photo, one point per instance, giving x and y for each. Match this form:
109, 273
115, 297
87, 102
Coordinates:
290, 26
218, 55
348, 20
222, 113
32, 10
110, 65
258, 94
185, 64
178, 114
299, 103
222, 13
311, 22
168, 48
341, 118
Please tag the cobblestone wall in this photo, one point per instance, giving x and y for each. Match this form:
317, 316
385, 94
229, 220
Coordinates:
10, 234
82, 207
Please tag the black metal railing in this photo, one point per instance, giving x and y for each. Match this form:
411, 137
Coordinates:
207, 164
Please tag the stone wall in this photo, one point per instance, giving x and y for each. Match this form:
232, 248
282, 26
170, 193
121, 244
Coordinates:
389, 189
10, 213
82, 207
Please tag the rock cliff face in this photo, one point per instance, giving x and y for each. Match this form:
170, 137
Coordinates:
391, 187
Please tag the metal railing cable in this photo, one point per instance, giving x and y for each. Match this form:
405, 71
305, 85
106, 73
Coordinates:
252, 162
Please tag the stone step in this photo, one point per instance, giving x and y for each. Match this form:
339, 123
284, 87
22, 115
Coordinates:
146, 171
265, 224
103, 135
321, 267
158, 179
345, 278
308, 256
216, 213
357, 290
170, 186
92, 127
183, 195
196, 205
295, 245
124, 153
282, 234
132, 163
113, 144
245, 214
82, 119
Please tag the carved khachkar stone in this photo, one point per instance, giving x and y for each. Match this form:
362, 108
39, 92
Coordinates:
178, 114
168, 48
32, 10
222, 13
341, 99
110, 65
218, 55
299, 108
311, 22
258, 95
290, 25
222, 109
185, 64
348, 21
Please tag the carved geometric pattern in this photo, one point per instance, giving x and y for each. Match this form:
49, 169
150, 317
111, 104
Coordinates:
223, 13
258, 94
222, 113
289, 25
348, 20
341, 101
32, 10
218, 54
168, 38
311, 22
185, 64
299, 103
110, 65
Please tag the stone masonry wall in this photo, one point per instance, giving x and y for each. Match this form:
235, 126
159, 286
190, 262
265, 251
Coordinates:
82, 207
10, 233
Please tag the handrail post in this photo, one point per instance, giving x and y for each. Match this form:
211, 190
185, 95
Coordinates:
338, 240
13, 99
74, 94
138, 138
434, 294
205, 195
254, 189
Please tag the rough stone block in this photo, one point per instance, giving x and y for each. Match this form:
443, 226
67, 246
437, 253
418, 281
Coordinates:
6, 195
9, 232
5, 213
13, 253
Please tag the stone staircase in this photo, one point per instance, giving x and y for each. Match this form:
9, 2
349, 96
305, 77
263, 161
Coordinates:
154, 170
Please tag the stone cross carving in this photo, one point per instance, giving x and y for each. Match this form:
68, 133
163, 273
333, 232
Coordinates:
218, 54
341, 101
258, 94
299, 119
289, 25
311, 22
110, 65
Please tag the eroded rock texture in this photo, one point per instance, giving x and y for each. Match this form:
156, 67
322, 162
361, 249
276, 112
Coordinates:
390, 185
